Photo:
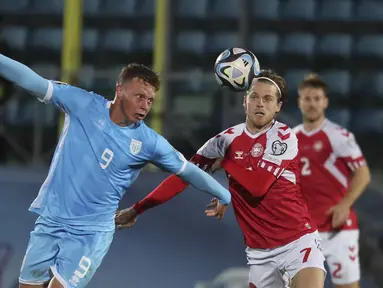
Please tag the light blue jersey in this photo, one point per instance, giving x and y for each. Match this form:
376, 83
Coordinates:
96, 161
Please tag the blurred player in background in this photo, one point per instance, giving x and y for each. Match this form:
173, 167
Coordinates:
334, 174
101, 151
260, 157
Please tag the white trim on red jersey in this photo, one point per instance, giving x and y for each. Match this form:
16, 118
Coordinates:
216, 147
344, 146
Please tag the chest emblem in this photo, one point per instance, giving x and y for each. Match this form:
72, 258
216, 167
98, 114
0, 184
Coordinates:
318, 146
257, 150
135, 146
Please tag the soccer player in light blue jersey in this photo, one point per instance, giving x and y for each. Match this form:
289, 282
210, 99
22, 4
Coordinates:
101, 151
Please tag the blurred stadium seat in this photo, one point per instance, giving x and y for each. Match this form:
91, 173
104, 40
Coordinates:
298, 10
145, 8
369, 11
90, 40
145, 41
48, 71
340, 10
13, 6
15, 37
91, 7
370, 85
338, 82
368, 121
120, 7
370, 45
47, 38
335, 45
341, 116
264, 43
220, 41
86, 77
225, 8
191, 41
118, 40
301, 44
362, 83
196, 8
48, 7
266, 9
293, 78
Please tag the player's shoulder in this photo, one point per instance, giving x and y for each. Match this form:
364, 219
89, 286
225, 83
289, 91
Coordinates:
297, 129
230, 133
216, 146
148, 135
336, 132
76, 90
281, 143
281, 132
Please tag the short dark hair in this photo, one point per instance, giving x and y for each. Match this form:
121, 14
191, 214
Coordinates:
313, 80
278, 79
143, 72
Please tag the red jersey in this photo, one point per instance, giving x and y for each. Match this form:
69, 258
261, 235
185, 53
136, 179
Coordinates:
328, 155
279, 216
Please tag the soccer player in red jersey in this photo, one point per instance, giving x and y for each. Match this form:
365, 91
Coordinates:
334, 174
261, 160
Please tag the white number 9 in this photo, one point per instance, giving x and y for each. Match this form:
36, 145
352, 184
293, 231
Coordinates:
107, 156
84, 266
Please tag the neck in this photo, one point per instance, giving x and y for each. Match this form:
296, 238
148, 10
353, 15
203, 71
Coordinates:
313, 125
118, 117
254, 129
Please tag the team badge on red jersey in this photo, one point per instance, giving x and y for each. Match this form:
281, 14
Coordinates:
257, 150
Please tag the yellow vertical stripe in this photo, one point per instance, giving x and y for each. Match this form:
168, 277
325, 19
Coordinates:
71, 48
160, 31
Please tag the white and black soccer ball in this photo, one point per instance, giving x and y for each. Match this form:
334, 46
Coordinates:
236, 68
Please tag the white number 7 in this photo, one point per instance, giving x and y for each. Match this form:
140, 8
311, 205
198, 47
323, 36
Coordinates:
107, 156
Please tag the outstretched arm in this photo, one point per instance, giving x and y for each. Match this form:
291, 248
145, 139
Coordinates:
168, 189
23, 76
173, 185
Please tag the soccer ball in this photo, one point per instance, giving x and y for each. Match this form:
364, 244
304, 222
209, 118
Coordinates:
236, 68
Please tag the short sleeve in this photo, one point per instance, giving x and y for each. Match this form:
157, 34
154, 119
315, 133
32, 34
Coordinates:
168, 158
346, 148
68, 98
217, 146
281, 147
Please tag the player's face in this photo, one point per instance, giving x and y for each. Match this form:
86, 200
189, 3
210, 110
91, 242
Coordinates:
135, 99
313, 103
261, 104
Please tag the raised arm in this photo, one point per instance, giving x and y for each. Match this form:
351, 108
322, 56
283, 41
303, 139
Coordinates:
23, 76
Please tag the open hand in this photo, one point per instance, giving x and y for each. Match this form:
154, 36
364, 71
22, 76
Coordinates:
216, 209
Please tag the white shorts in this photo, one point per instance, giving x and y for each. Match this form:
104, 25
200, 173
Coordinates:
274, 268
342, 255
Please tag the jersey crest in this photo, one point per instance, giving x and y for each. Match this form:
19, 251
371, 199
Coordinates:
135, 146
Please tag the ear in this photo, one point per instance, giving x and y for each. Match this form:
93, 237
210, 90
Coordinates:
279, 106
118, 91
244, 104
326, 103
